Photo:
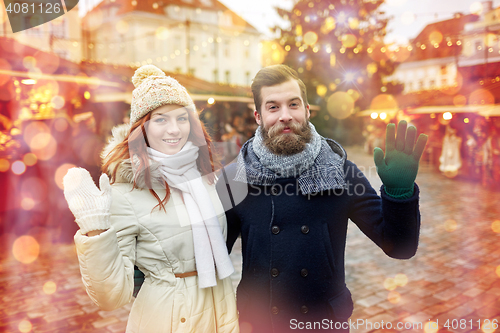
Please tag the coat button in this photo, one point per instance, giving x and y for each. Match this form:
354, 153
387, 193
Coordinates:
275, 310
304, 309
183, 320
275, 272
274, 190
303, 272
304, 229
275, 229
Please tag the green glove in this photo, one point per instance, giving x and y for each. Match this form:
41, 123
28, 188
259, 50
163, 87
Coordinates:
399, 168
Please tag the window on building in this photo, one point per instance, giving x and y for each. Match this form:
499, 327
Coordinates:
177, 45
151, 43
432, 83
420, 85
444, 82
214, 48
216, 75
444, 70
192, 43
228, 77
58, 29
30, 22
247, 78
191, 71
178, 70
227, 49
247, 52
62, 54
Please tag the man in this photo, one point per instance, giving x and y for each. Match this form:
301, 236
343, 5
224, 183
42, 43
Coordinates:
290, 196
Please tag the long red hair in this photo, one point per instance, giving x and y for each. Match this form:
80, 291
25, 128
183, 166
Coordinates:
136, 142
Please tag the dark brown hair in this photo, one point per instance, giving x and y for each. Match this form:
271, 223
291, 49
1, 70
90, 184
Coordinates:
274, 75
136, 142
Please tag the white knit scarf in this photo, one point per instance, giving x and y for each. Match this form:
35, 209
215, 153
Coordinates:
180, 171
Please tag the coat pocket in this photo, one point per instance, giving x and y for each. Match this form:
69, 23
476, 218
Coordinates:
341, 305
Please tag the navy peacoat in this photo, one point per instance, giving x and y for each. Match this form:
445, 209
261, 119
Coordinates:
293, 247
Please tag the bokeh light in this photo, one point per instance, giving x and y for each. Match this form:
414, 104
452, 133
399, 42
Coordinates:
61, 124
272, 53
161, 33
34, 188
374, 115
25, 249
246, 327
61, 172
310, 38
49, 287
321, 90
435, 37
27, 203
328, 25
47, 62
25, 326
354, 94
495, 226
340, 105
18, 167
383, 115
383, 102
390, 284
401, 280
481, 97
353, 23
122, 27
4, 165
349, 40
498, 270
459, 100
57, 101
447, 116
450, 225
30, 159
431, 327
372, 68
394, 297
490, 327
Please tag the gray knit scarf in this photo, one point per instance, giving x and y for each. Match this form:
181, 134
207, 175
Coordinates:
316, 169
286, 166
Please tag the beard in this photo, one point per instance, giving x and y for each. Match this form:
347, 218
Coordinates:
280, 143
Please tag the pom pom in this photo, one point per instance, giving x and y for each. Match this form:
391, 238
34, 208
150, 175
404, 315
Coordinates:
143, 72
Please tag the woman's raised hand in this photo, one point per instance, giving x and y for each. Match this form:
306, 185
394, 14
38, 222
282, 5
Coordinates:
89, 205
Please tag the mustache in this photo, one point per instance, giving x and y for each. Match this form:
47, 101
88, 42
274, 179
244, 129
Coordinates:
297, 129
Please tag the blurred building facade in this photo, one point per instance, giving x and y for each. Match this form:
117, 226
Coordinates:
61, 36
434, 56
202, 38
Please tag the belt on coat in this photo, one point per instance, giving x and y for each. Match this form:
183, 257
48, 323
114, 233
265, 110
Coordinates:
185, 275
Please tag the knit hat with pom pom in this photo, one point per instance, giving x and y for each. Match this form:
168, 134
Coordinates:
154, 89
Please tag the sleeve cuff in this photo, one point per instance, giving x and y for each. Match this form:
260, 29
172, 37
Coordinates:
399, 193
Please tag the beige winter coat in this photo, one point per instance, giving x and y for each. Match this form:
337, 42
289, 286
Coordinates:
161, 245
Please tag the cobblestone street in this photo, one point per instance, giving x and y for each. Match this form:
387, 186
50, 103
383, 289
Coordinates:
454, 277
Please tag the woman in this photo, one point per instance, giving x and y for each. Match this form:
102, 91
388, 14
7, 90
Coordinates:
161, 213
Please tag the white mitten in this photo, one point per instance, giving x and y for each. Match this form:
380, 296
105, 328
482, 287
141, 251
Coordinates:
89, 205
